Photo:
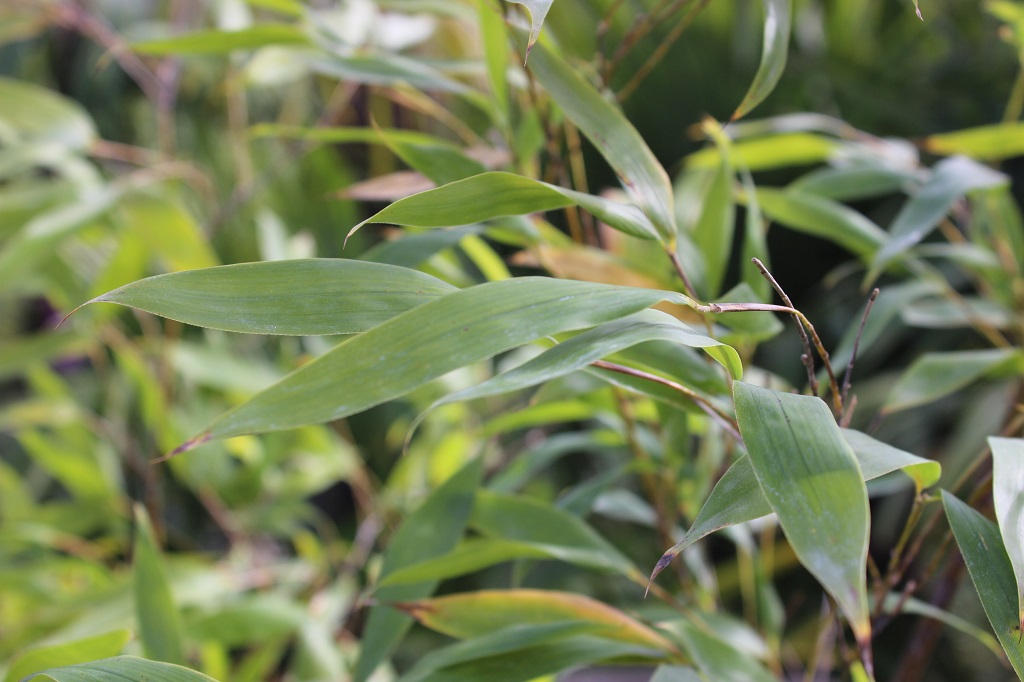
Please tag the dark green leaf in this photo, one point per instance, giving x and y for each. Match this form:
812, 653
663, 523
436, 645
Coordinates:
158, 619
775, 47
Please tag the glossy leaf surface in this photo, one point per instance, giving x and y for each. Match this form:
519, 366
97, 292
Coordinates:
778, 17
1008, 500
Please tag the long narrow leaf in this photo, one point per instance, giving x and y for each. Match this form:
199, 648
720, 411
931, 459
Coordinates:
120, 669
426, 342
936, 375
1008, 500
296, 297
159, 622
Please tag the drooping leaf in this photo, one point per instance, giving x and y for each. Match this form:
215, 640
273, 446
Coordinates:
991, 572
737, 497
613, 136
781, 150
675, 673
718, 660
917, 607
713, 233
538, 10
122, 668
495, 194
67, 653
936, 375
984, 143
224, 42
425, 343
950, 180
159, 622
774, 49
1008, 500
850, 183
295, 297
430, 531
811, 479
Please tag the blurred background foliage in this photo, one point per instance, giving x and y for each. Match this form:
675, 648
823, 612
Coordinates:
121, 158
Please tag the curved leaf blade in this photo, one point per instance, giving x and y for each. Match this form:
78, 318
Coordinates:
984, 143
159, 622
991, 573
497, 194
425, 343
121, 668
778, 15
67, 653
224, 42
538, 11
811, 479
824, 218
304, 297
935, 375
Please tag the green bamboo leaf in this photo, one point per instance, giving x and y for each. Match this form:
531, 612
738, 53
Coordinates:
755, 243
916, 607
950, 180
822, 217
441, 161
965, 313
432, 530
67, 653
936, 375
538, 10
676, 673
122, 668
1008, 500
342, 135
391, 69
811, 479
224, 42
158, 619
496, 194
613, 136
295, 297
991, 572
410, 250
579, 351
33, 114
472, 556
774, 49
737, 497
984, 143
713, 233
427, 342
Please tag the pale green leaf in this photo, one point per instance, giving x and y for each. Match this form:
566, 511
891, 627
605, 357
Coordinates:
538, 10
774, 49
295, 297
120, 669
1008, 500
992, 574
850, 183
822, 217
713, 233
984, 143
718, 660
430, 531
781, 150
31, 113
496, 55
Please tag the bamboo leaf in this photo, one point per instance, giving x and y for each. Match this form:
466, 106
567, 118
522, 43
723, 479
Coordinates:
991, 573
538, 11
496, 194
774, 49
426, 342
811, 479
822, 217
950, 180
34, 114
1008, 500
737, 497
431, 531
984, 143
158, 619
120, 669
613, 136
850, 183
496, 55
295, 297
713, 232
779, 150
718, 660
936, 375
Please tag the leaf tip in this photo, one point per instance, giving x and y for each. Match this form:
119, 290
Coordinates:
185, 447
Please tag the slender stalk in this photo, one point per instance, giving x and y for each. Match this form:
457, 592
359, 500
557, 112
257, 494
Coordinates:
659, 53
856, 344
807, 358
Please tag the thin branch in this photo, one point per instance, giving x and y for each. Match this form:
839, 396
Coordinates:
807, 358
856, 343
717, 414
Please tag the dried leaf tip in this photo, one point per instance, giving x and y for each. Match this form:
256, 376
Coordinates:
185, 447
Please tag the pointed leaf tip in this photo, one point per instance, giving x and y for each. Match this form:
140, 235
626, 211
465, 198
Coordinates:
191, 443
